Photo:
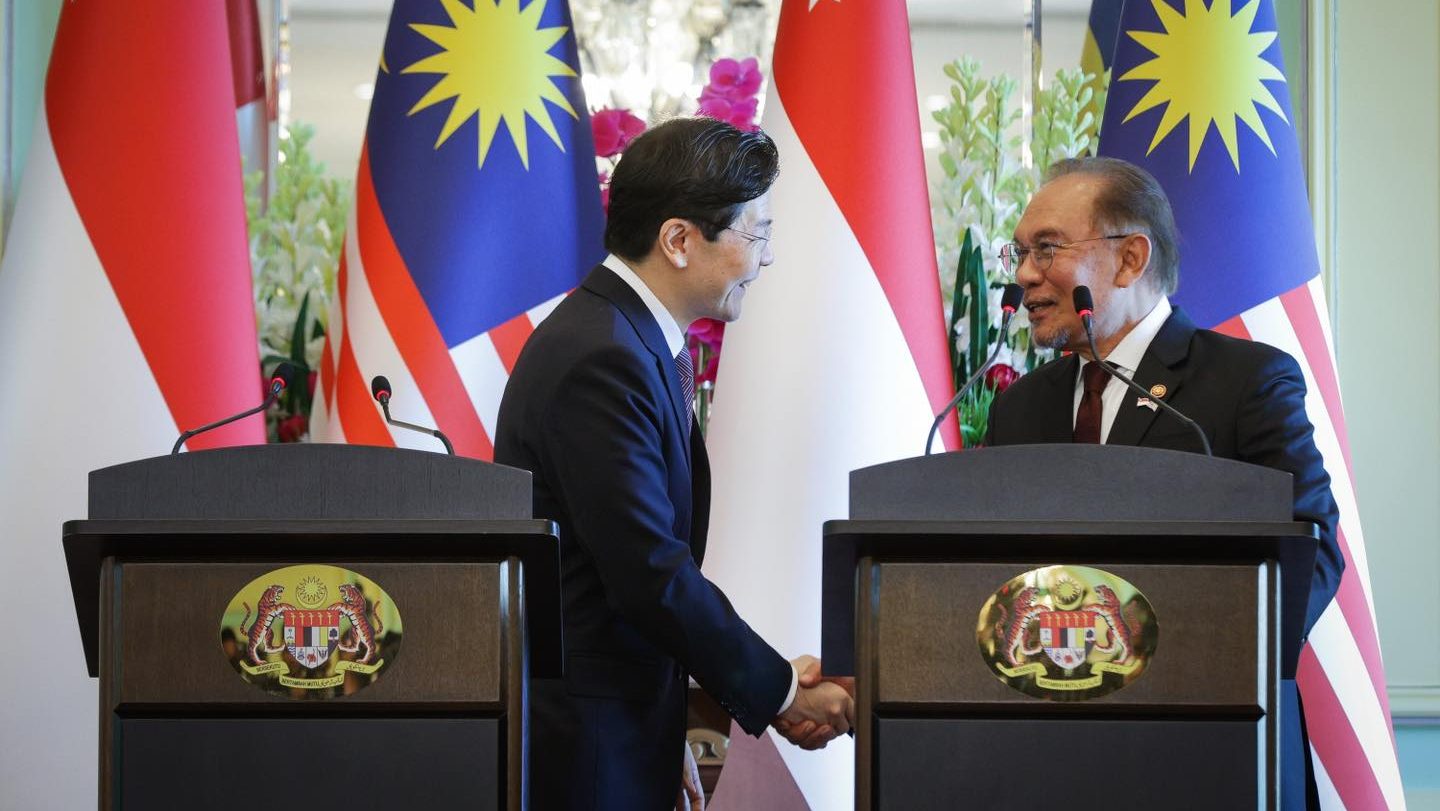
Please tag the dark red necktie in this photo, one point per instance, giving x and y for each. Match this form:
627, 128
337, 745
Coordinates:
1087, 419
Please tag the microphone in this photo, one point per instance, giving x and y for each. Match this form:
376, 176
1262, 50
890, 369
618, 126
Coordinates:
380, 390
280, 380
1085, 308
1009, 303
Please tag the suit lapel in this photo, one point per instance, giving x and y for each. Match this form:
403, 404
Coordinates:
1057, 418
699, 496
603, 282
1159, 367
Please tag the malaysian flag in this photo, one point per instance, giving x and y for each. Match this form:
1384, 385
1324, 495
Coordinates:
1198, 97
476, 209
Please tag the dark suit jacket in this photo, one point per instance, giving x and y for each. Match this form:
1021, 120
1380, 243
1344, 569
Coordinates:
594, 410
1248, 397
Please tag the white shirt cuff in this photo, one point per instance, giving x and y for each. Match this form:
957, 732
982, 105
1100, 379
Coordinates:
794, 685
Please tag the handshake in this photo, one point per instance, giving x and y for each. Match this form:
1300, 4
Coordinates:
822, 710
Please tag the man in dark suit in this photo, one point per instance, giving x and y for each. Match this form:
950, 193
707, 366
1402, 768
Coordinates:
599, 409
1106, 224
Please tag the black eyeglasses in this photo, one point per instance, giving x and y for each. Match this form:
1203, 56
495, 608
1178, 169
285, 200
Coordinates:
1012, 255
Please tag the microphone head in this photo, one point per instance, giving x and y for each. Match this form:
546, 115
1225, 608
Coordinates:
282, 377
380, 388
1084, 304
1010, 299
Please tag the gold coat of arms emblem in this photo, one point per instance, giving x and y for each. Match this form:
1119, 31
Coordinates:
1067, 633
310, 631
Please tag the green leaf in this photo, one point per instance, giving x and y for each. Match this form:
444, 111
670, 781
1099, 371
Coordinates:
947, 163
979, 306
297, 334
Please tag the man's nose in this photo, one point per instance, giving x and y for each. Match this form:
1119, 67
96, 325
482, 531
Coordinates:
1028, 275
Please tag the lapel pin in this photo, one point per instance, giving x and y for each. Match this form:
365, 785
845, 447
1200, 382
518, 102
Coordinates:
1148, 403
1158, 391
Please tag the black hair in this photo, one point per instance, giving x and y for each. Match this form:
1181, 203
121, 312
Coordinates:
697, 169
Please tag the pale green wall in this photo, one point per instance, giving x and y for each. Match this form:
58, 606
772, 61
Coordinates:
1387, 198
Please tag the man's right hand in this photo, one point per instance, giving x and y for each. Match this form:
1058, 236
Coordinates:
820, 712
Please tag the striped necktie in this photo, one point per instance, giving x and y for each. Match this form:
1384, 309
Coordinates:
685, 368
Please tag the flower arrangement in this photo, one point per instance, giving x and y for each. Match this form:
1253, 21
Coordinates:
732, 95
989, 175
613, 130
295, 243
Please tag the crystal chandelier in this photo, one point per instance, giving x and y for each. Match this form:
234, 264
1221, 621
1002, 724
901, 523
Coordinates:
652, 56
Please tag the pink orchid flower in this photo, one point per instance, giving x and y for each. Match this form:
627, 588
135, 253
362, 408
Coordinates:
715, 107
735, 79
613, 130
712, 368
708, 331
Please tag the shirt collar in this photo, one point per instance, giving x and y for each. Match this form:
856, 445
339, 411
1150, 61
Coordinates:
1131, 349
674, 334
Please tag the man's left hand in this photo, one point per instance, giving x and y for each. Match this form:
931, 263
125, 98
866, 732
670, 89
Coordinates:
692, 795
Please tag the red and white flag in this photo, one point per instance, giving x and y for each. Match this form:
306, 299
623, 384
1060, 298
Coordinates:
126, 314
839, 360
247, 63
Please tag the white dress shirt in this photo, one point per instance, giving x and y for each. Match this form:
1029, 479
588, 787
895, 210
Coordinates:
675, 339
1126, 356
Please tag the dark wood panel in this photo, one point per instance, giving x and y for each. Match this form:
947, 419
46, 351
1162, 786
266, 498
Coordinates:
240, 764
167, 647
1210, 643
1016, 763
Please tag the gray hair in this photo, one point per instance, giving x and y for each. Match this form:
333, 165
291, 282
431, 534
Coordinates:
1132, 200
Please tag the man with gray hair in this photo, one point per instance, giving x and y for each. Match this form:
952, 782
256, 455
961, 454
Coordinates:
1106, 224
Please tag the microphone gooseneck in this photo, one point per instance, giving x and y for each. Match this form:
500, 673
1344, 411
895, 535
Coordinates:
279, 381
1009, 303
380, 390
1085, 308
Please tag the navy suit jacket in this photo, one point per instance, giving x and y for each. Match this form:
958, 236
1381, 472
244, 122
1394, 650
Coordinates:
594, 410
1249, 398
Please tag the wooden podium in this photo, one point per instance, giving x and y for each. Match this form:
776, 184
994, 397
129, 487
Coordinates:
169, 541
1210, 543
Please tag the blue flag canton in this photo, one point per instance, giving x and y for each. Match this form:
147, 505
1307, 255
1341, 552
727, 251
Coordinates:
1198, 98
482, 159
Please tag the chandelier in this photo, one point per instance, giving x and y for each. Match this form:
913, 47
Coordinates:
652, 56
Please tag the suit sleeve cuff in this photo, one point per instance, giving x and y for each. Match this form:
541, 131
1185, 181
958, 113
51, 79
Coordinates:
790, 696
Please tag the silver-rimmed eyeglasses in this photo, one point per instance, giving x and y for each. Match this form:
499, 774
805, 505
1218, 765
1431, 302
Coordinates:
1013, 255
749, 237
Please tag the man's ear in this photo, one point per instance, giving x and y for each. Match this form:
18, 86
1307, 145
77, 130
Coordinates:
677, 238
1134, 260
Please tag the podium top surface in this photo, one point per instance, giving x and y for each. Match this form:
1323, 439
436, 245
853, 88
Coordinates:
310, 481
1071, 482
